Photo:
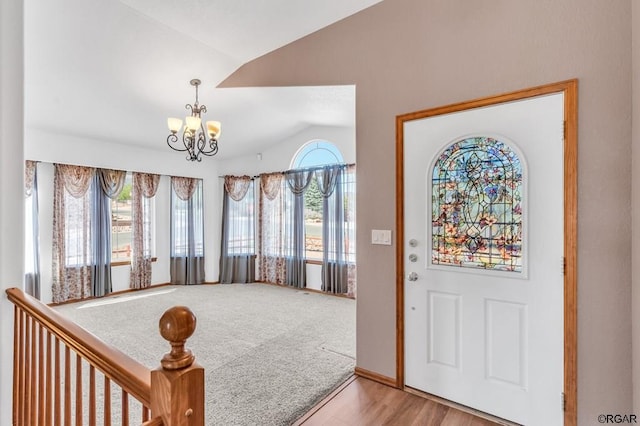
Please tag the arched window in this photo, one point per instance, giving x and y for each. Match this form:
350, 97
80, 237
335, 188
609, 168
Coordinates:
311, 154
316, 153
477, 195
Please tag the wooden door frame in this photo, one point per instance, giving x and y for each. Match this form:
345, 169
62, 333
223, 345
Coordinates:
569, 89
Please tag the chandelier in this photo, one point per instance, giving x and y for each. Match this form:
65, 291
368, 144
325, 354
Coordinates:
194, 137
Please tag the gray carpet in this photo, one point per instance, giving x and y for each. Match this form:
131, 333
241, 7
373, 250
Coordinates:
269, 353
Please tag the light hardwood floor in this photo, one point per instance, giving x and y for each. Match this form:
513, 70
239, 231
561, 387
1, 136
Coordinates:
364, 402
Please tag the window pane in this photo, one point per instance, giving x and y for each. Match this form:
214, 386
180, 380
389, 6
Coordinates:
317, 153
29, 230
477, 206
187, 220
313, 221
148, 214
78, 229
121, 224
241, 225
349, 199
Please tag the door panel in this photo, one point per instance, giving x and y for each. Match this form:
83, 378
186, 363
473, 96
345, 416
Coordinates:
489, 339
444, 329
506, 348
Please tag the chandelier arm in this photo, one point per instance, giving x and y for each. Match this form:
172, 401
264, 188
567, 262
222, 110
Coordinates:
202, 144
188, 139
173, 138
213, 148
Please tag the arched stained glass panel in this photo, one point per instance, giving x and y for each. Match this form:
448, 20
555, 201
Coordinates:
477, 188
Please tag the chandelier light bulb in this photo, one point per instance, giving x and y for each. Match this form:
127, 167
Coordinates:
214, 128
193, 122
175, 124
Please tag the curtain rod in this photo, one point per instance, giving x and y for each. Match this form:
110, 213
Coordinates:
305, 169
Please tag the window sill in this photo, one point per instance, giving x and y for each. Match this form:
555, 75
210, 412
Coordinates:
128, 262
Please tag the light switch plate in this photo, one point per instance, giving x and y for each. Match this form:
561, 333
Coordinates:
381, 236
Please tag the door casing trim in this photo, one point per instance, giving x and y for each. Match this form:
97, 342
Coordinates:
569, 89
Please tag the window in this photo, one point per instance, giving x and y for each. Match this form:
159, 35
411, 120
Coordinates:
121, 221
315, 153
187, 225
241, 224
77, 222
349, 202
148, 220
237, 255
187, 231
30, 232
32, 244
477, 187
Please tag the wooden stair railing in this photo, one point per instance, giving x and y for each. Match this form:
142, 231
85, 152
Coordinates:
53, 387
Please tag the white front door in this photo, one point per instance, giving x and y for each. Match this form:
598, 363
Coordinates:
483, 221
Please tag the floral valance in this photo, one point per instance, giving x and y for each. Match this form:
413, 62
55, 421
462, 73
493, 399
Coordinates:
76, 179
146, 183
111, 181
270, 184
237, 186
184, 186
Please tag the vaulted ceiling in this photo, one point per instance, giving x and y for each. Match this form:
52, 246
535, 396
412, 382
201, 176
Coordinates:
115, 70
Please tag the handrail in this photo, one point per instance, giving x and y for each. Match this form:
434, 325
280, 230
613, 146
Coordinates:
129, 374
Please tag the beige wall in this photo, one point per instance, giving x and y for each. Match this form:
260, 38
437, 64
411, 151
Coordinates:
635, 206
407, 55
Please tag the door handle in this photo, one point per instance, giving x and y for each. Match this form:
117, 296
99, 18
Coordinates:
413, 276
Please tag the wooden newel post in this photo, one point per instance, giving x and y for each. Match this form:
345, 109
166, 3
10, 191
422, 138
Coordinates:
177, 387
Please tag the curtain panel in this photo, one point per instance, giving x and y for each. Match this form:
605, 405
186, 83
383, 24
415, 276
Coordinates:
237, 258
271, 226
187, 231
297, 181
145, 186
72, 259
349, 195
337, 186
32, 232
107, 185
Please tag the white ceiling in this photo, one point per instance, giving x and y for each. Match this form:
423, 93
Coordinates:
115, 70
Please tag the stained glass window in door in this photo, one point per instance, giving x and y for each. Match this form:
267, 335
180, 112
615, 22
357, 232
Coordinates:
477, 189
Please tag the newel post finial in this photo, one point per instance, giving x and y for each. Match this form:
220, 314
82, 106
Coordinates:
177, 386
176, 326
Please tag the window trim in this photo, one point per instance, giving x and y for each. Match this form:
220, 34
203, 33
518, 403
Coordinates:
128, 262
